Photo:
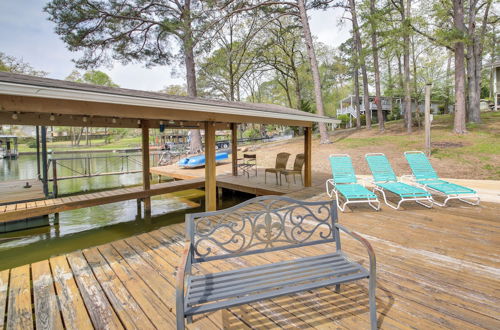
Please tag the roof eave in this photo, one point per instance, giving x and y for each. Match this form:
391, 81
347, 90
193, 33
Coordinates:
7, 88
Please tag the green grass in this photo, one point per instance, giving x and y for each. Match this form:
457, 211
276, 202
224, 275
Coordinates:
132, 142
478, 149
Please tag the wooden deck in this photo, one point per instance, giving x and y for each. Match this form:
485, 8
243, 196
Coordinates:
437, 268
18, 211
12, 191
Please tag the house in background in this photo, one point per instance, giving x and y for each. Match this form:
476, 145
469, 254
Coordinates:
388, 103
496, 84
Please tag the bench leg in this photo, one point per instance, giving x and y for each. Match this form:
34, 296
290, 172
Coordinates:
189, 319
337, 288
372, 286
180, 321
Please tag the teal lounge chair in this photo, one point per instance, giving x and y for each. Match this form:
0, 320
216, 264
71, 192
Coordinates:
425, 176
345, 183
385, 181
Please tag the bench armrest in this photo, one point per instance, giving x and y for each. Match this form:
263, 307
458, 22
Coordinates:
359, 238
184, 266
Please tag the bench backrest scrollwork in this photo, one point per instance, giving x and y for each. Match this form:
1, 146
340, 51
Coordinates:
261, 224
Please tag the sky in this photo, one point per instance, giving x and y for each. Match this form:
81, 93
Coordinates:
26, 33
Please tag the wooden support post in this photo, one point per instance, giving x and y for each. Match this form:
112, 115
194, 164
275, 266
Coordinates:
308, 156
234, 148
145, 164
44, 161
38, 153
428, 119
55, 190
210, 171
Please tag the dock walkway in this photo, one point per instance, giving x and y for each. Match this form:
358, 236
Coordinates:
436, 268
253, 185
25, 210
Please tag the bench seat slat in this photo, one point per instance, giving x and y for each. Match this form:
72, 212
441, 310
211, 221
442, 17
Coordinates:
272, 281
258, 269
267, 274
271, 294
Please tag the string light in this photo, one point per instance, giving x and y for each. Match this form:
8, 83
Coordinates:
113, 120
84, 119
14, 116
52, 117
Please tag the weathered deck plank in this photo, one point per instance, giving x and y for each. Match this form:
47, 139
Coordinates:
47, 314
101, 313
159, 314
130, 313
73, 309
19, 314
4, 286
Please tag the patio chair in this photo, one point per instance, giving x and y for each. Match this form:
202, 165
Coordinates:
281, 160
345, 183
298, 164
248, 164
385, 181
425, 176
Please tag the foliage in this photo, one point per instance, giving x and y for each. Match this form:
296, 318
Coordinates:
15, 65
175, 90
94, 77
344, 120
252, 133
395, 113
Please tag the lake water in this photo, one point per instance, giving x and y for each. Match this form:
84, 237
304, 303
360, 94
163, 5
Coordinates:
87, 227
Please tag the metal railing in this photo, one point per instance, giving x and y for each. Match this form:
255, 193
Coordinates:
85, 169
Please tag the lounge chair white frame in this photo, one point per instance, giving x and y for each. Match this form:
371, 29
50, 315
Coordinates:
474, 199
380, 189
330, 190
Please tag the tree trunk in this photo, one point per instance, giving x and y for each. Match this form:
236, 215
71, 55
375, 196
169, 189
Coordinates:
314, 68
400, 75
361, 62
492, 69
366, 97
195, 144
406, 63
378, 101
474, 60
447, 88
458, 21
356, 97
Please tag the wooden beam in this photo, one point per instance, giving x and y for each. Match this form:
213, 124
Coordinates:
210, 171
145, 163
234, 148
44, 119
83, 108
308, 156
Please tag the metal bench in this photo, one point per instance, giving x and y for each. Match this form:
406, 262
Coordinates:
259, 226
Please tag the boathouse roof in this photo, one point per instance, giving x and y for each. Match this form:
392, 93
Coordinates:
23, 93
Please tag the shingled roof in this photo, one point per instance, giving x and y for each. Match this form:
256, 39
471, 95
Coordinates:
30, 86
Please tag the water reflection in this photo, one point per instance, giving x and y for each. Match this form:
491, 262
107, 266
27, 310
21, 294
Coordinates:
79, 229
82, 228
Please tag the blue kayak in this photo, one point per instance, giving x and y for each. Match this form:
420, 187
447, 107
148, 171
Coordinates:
198, 161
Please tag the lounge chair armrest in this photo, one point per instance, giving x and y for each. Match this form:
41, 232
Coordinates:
330, 186
359, 238
408, 178
364, 181
184, 267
